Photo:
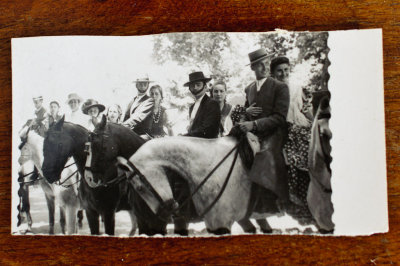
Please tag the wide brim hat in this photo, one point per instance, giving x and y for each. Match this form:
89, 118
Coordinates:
195, 77
90, 103
74, 96
257, 56
142, 80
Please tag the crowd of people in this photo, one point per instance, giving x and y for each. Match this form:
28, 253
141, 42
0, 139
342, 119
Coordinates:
281, 121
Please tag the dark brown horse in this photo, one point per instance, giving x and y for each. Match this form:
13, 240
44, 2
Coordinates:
107, 142
64, 140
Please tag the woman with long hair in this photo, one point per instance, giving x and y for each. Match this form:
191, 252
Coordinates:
114, 113
159, 125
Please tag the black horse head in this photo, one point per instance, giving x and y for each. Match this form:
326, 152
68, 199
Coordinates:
103, 149
108, 144
62, 141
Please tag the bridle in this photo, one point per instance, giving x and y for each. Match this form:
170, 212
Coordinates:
89, 160
136, 177
143, 179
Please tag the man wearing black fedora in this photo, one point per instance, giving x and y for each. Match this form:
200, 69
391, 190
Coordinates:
205, 113
138, 113
267, 103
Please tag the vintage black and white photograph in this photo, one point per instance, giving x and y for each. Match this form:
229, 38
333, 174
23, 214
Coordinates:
196, 135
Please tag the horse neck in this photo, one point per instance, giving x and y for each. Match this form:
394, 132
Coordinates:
80, 136
128, 141
182, 156
35, 143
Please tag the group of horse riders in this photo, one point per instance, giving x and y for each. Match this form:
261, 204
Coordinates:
279, 165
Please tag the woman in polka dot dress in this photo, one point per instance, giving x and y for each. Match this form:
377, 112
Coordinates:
296, 150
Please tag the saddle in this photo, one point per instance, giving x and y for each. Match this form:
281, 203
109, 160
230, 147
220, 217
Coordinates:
262, 200
249, 145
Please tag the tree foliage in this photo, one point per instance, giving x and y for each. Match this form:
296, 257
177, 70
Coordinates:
224, 56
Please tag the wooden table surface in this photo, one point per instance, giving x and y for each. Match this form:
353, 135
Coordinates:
24, 18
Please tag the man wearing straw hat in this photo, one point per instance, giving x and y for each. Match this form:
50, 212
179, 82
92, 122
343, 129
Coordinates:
39, 122
138, 113
267, 103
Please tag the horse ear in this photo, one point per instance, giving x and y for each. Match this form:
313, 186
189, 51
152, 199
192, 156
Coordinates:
102, 124
59, 124
122, 163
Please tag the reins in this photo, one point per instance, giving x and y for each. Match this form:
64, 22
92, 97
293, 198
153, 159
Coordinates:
114, 181
208, 177
143, 178
65, 180
40, 177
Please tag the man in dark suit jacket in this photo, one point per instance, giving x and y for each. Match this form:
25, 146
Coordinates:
267, 103
205, 117
138, 113
40, 120
53, 115
205, 114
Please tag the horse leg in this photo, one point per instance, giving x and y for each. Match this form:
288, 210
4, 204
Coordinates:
264, 226
71, 220
79, 215
51, 206
62, 220
220, 231
93, 220
247, 226
181, 226
133, 221
25, 207
109, 222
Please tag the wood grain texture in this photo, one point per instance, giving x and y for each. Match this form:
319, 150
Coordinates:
24, 18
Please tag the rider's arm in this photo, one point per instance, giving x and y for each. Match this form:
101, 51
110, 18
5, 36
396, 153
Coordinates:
279, 112
141, 112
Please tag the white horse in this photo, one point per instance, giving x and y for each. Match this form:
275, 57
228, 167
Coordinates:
192, 159
65, 195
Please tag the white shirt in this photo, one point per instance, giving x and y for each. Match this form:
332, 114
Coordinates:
196, 108
135, 102
78, 118
259, 83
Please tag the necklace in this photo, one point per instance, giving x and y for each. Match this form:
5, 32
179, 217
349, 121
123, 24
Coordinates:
156, 117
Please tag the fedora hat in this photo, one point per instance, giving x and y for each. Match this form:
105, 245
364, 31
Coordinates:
196, 76
74, 96
92, 103
257, 55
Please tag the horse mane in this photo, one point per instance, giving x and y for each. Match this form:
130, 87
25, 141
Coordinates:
77, 126
128, 141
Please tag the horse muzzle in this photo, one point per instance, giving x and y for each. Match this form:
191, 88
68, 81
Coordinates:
90, 180
167, 209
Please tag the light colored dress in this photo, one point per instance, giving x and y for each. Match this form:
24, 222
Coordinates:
79, 118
